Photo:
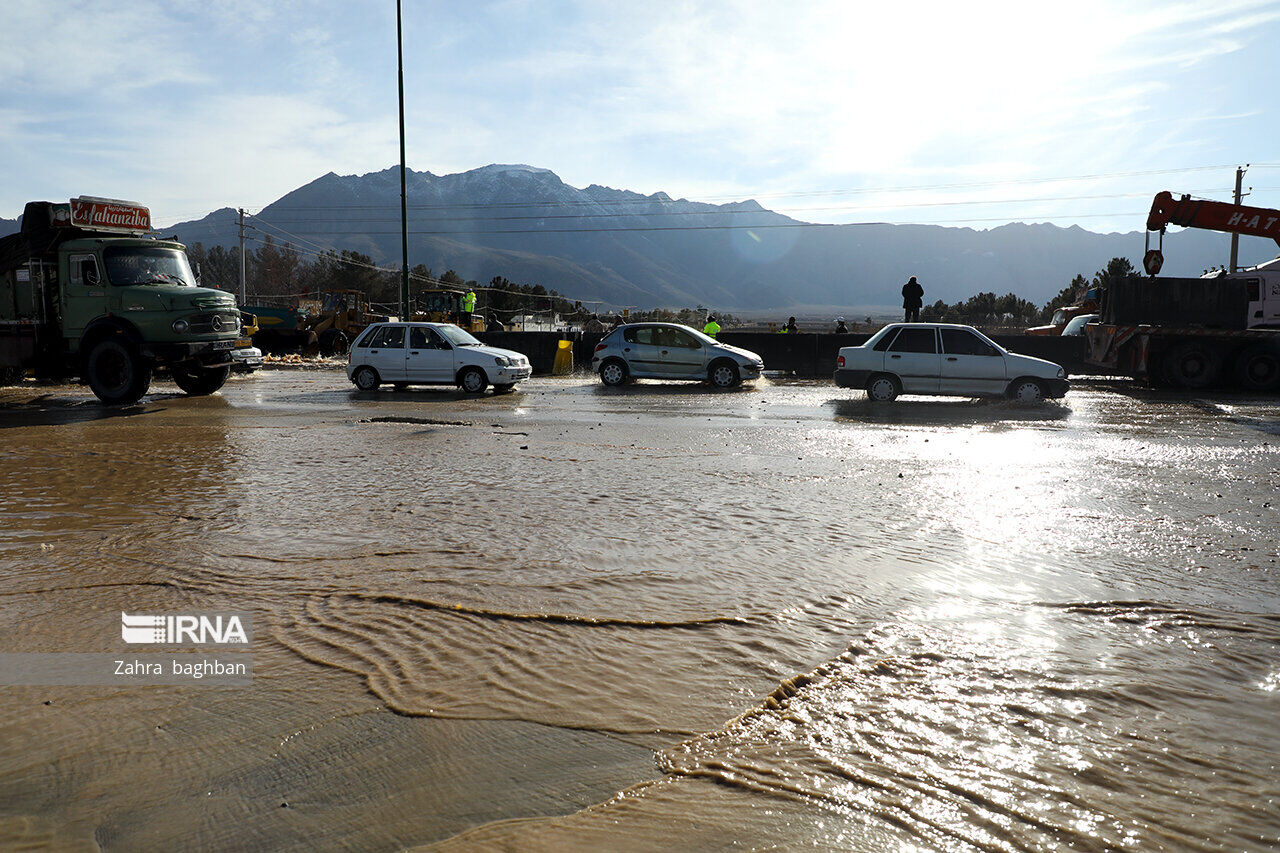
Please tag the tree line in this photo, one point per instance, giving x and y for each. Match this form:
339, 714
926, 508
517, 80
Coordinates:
987, 309
277, 270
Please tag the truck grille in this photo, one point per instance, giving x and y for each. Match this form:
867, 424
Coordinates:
218, 321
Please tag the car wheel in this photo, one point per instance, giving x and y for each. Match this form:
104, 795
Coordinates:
882, 388
1258, 369
724, 374
473, 380
366, 379
613, 372
1026, 391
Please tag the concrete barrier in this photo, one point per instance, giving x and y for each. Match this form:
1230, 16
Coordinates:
806, 355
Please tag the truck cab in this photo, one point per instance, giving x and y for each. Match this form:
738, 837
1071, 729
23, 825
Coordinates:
1262, 288
84, 292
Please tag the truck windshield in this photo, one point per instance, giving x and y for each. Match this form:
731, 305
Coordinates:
130, 265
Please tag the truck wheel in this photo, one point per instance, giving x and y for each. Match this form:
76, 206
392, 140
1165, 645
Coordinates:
1192, 365
198, 382
116, 373
1258, 369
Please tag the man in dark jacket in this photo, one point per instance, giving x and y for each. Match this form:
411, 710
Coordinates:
912, 299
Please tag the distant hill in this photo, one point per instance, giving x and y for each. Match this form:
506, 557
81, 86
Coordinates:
526, 224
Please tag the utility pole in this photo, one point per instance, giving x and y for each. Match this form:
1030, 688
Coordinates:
404, 202
242, 285
1235, 238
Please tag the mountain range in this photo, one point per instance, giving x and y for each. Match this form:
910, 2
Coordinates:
625, 248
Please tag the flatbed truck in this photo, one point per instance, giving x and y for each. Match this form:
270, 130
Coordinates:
1219, 329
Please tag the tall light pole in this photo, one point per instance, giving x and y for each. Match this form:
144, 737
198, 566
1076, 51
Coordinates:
404, 201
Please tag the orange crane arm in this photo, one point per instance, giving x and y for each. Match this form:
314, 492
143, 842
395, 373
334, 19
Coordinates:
1213, 216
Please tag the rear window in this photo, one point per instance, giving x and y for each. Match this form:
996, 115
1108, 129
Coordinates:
363, 340
389, 337
883, 343
915, 340
641, 335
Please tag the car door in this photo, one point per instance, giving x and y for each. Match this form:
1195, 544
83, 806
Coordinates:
682, 354
913, 358
970, 365
641, 350
384, 352
430, 356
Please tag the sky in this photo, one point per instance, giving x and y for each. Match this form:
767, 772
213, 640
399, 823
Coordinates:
969, 114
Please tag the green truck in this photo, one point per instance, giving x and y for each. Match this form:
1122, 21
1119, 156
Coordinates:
85, 292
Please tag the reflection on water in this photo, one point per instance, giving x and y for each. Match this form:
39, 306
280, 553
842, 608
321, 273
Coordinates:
941, 624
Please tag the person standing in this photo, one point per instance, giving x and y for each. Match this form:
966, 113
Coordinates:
468, 307
712, 328
790, 328
841, 328
912, 299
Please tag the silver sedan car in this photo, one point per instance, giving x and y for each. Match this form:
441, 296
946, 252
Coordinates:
671, 351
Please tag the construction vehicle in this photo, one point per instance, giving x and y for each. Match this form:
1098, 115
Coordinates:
85, 292
1221, 328
342, 316
444, 305
281, 330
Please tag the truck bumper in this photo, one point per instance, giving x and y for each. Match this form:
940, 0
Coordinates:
206, 352
846, 378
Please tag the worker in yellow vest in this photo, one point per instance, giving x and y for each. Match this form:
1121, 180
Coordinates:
712, 328
468, 307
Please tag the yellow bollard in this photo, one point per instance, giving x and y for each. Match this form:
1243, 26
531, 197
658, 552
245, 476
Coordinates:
564, 359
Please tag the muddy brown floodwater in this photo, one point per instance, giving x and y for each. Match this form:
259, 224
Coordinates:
650, 617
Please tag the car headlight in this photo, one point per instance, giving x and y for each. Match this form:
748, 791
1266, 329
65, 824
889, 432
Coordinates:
502, 361
1062, 374
181, 326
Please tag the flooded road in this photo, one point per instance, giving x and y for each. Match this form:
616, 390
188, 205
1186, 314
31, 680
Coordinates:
654, 617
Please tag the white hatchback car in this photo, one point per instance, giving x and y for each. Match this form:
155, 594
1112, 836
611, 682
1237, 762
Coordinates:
945, 359
432, 354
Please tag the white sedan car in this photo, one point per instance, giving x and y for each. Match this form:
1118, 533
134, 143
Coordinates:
432, 354
945, 359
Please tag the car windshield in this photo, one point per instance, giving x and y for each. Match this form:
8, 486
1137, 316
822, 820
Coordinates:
132, 265
457, 336
702, 338
1077, 324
